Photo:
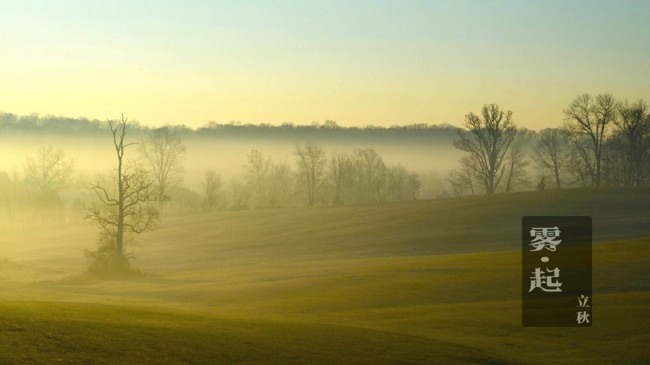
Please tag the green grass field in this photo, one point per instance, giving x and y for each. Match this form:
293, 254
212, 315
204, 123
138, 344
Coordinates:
428, 282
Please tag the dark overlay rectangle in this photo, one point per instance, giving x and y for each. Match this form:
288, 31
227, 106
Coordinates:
556, 271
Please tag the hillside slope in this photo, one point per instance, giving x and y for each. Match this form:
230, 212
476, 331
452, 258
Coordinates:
457, 225
416, 283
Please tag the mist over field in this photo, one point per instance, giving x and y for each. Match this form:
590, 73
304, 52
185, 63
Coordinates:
324, 182
423, 274
425, 150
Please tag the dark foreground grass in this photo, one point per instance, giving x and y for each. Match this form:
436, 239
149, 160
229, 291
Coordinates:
473, 333
47, 333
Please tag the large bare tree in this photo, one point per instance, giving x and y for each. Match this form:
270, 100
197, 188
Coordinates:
164, 150
587, 121
122, 206
487, 140
312, 161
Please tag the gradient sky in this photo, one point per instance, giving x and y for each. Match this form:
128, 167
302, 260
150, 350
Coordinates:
356, 62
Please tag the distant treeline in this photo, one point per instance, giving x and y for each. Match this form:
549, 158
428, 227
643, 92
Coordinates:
61, 125
46, 186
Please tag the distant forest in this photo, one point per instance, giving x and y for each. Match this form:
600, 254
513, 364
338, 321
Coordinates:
328, 130
56, 164
604, 141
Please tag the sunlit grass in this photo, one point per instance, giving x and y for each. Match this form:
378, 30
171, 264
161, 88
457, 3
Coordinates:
353, 285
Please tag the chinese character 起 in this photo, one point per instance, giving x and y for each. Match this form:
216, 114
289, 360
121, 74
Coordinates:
545, 237
583, 317
545, 282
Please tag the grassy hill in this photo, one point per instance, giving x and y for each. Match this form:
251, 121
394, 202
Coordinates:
403, 283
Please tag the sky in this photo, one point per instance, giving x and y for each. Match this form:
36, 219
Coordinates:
355, 62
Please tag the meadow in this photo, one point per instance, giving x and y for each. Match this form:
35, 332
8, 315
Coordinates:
423, 282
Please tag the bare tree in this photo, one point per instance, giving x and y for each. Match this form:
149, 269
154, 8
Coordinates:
414, 185
487, 140
164, 150
617, 163
402, 184
312, 161
461, 179
580, 173
49, 170
552, 153
370, 174
256, 173
279, 185
397, 183
239, 194
587, 122
516, 174
339, 171
212, 187
634, 126
122, 206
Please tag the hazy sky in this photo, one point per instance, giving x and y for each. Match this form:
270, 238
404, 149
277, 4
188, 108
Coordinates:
356, 62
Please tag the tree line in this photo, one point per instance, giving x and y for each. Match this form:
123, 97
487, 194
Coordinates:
603, 142
315, 178
146, 174
35, 124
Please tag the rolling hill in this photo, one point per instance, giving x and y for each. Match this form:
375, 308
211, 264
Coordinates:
421, 282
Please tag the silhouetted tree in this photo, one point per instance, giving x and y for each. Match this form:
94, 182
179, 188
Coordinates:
515, 163
122, 207
587, 122
633, 125
312, 161
552, 152
580, 174
487, 140
617, 163
164, 150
